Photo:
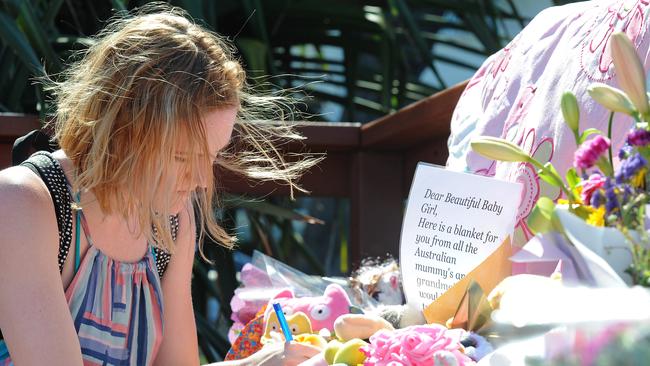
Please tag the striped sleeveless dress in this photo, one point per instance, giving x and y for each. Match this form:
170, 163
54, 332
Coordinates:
116, 307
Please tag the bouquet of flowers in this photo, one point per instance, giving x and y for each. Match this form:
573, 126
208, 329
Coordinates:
598, 189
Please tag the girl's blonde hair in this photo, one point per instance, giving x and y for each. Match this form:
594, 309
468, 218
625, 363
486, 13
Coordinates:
142, 89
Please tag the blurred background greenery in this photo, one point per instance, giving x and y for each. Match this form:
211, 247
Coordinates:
355, 60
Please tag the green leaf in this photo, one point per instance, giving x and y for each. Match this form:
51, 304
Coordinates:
550, 167
582, 212
193, 7
17, 90
119, 5
255, 54
52, 11
550, 175
586, 133
38, 35
12, 36
540, 218
572, 178
402, 11
548, 178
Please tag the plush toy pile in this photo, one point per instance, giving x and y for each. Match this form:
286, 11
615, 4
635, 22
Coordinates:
348, 335
360, 321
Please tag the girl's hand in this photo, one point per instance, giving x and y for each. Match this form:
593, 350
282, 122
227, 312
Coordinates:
318, 360
286, 354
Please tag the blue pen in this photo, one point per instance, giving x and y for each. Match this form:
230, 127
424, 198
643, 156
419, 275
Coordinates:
283, 322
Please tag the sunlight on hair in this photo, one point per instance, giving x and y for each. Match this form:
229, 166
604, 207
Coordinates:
142, 89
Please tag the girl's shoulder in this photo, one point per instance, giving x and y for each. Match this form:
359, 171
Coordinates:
20, 186
26, 204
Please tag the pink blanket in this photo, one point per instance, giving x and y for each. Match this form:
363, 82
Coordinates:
516, 92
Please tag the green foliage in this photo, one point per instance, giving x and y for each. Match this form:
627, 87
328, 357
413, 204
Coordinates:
364, 58
540, 218
588, 132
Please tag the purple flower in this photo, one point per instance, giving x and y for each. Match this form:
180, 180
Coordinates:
638, 137
611, 200
627, 193
631, 166
625, 151
589, 152
619, 176
597, 199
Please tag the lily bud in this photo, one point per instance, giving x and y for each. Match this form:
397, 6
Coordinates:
570, 111
498, 149
629, 71
611, 98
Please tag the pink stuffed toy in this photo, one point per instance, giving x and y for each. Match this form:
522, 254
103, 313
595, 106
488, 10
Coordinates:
322, 311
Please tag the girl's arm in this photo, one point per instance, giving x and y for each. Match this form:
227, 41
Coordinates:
180, 345
34, 315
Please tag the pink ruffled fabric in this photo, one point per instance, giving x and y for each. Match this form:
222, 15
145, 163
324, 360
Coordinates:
418, 345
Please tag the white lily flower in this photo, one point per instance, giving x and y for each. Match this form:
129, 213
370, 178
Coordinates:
629, 71
611, 98
498, 149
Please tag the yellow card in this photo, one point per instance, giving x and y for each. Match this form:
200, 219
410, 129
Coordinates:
488, 274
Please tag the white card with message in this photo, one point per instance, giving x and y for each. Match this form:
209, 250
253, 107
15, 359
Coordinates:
453, 222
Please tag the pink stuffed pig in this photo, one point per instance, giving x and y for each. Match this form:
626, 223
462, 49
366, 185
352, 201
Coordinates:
322, 311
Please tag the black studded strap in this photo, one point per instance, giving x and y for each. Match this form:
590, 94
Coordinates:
162, 256
50, 171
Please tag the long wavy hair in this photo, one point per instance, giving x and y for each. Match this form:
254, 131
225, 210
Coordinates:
142, 89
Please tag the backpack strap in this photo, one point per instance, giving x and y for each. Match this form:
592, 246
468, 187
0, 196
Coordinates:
24, 146
50, 171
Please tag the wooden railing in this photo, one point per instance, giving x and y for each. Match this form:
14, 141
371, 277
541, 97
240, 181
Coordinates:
371, 164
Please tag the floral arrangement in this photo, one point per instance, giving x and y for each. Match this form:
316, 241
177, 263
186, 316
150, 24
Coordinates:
417, 345
598, 189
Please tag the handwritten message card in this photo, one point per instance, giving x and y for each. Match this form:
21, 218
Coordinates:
453, 222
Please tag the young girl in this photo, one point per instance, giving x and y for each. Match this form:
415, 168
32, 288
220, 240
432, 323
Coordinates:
98, 238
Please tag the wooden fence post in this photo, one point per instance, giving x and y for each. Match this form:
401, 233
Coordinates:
376, 205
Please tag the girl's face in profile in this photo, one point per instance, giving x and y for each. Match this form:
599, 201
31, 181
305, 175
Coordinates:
218, 125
